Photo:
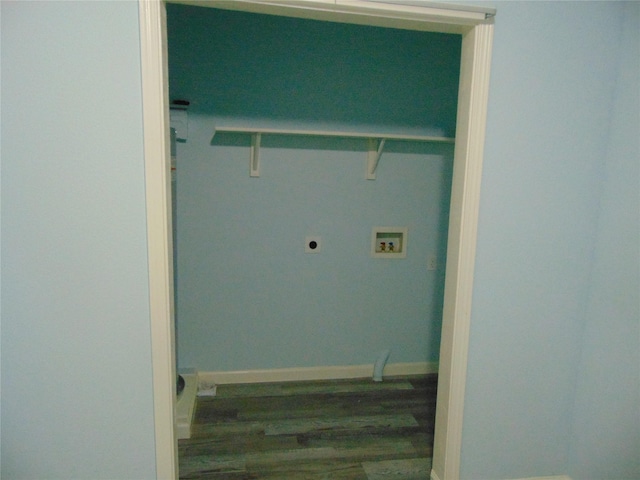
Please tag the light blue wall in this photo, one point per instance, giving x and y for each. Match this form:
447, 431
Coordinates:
76, 365
606, 428
552, 235
248, 295
555, 301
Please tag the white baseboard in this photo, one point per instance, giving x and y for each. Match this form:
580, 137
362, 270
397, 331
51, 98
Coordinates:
185, 406
553, 477
434, 476
313, 373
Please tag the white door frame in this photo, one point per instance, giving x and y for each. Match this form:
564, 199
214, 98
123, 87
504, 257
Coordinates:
476, 29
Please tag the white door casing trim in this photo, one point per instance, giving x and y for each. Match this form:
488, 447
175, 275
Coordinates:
157, 152
461, 247
472, 106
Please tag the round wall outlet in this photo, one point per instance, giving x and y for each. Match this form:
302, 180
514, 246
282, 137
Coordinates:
312, 244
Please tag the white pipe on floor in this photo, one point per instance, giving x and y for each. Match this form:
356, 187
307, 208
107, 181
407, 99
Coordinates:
379, 365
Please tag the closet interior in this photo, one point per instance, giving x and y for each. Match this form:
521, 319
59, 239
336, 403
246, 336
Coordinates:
300, 131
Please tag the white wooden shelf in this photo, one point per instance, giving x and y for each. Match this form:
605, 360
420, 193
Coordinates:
375, 149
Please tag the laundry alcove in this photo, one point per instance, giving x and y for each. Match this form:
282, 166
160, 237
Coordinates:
248, 295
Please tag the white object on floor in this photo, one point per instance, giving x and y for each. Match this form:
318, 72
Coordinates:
206, 389
185, 407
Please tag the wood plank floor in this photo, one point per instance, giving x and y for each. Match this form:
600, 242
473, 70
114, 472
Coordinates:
340, 429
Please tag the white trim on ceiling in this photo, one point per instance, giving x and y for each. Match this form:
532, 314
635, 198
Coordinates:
421, 15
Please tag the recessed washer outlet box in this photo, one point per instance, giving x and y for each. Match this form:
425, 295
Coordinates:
312, 244
389, 242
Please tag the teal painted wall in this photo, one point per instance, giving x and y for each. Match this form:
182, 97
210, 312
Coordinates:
77, 397
248, 296
265, 68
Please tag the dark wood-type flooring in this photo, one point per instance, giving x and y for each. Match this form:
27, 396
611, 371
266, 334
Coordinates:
340, 429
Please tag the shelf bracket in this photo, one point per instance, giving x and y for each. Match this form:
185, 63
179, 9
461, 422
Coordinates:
254, 161
373, 157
